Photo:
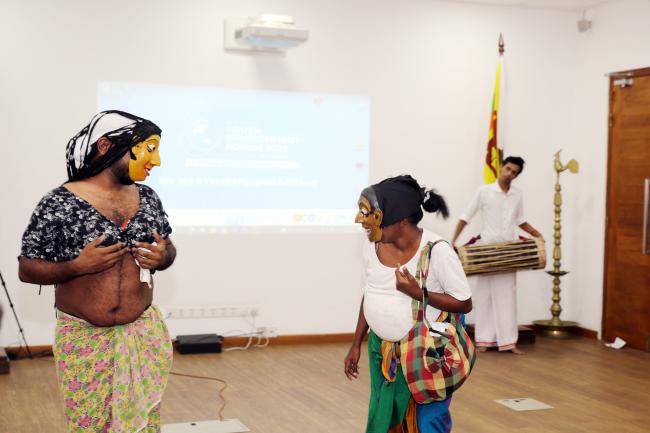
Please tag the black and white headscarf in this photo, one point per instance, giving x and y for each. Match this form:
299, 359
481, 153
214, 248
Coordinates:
124, 130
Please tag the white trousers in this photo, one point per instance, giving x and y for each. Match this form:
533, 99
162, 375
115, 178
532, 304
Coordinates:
494, 298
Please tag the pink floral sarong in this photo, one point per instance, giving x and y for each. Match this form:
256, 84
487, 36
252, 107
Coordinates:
112, 378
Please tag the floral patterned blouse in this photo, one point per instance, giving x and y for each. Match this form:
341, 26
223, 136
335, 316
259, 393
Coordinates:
63, 223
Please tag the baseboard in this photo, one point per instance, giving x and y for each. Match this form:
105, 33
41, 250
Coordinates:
526, 334
294, 339
21, 352
281, 340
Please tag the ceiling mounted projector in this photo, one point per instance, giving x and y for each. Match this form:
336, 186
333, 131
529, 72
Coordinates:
273, 33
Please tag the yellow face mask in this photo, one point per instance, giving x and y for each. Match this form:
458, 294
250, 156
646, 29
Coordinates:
146, 157
370, 219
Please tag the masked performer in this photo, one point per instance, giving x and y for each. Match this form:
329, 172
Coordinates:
501, 206
98, 238
390, 212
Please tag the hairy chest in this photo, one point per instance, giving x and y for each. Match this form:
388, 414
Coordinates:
119, 208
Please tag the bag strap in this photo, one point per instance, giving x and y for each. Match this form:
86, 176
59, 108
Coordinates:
421, 274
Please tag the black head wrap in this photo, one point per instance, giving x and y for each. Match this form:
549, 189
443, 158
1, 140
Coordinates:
124, 131
402, 197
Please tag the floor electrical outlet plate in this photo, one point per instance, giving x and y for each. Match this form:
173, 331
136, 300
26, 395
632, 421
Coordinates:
520, 404
225, 426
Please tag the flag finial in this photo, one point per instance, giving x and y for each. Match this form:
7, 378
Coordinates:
502, 45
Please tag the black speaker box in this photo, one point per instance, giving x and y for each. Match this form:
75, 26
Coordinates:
199, 343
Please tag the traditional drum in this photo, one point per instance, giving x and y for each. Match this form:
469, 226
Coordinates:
503, 257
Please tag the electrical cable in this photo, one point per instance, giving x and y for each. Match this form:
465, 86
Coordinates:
266, 343
221, 397
248, 344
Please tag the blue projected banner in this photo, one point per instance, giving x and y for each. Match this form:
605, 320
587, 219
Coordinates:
250, 158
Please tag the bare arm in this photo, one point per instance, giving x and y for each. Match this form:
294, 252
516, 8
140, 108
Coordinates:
459, 228
530, 230
37, 271
362, 328
351, 361
445, 302
170, 256
92, 259
407, 284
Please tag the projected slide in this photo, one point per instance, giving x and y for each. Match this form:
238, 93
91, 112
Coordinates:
237, 159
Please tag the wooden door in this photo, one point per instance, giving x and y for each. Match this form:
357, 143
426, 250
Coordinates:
626, 301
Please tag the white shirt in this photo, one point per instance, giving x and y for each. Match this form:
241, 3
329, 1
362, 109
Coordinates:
387, 310
502, 212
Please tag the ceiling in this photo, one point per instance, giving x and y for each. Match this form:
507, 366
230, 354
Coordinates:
542, 4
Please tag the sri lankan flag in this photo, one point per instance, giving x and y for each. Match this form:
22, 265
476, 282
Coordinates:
493, 153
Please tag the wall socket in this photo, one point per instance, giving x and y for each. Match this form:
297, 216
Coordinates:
210, 312
267, 331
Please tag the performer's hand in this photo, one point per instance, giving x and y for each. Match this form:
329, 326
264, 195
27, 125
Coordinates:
407, 284
95, 258
151, 256
351, 363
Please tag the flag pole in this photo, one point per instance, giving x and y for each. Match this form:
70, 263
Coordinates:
502, 50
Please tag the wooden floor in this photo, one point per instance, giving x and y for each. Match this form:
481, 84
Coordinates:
302, 389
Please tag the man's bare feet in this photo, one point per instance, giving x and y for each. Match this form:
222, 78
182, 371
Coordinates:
517, 351
482, 349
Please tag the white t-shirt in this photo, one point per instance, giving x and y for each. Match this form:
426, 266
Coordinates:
387, 310
502, 212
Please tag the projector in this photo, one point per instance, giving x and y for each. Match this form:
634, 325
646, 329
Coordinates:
199, 343
268, 32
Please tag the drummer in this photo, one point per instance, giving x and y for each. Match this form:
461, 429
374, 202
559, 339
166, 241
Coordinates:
495, 296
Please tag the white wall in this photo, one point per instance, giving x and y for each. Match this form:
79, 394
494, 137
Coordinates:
428, 68
618, 41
